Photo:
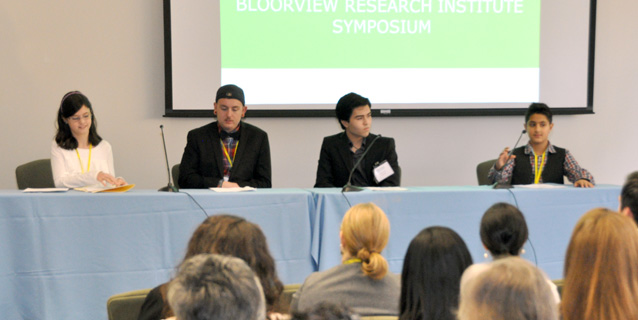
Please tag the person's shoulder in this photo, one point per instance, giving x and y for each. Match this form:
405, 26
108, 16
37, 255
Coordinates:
320, 276
104, 144
252, 128
335, 137
205, 129
384, 139
472, 271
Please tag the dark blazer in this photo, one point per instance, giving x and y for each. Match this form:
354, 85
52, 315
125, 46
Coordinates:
202, 164
335, 161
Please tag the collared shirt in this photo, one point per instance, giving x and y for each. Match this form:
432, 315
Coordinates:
570, 165
358, 177
229, 145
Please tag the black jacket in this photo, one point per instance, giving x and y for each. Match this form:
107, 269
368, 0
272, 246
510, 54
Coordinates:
335, 161
202, 164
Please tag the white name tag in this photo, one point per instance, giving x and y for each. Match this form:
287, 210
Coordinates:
382, 171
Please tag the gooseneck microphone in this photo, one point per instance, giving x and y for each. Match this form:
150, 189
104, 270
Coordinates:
170, 187
349, 187
508, 185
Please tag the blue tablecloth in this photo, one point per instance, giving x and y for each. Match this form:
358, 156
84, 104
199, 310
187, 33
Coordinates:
63, 255
550, 213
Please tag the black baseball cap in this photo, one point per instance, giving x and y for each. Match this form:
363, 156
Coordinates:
230, 91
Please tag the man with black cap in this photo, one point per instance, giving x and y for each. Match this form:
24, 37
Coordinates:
340, 152
227, 153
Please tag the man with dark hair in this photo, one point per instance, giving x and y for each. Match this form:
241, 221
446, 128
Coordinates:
340, 152
210, 286
539, 161
629, 197
227, 153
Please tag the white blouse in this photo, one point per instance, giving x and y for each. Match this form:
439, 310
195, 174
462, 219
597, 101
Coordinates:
66, 165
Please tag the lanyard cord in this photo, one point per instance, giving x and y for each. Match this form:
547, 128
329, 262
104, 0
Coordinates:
80, 159
537, 172
230, 161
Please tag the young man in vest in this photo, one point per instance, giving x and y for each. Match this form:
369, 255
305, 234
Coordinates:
539, 161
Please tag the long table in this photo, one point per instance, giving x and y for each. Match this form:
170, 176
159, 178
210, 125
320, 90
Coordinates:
550, 214
63, 255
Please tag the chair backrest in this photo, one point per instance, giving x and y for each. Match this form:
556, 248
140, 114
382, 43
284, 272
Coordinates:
482, 169
127, 305
35, 174
175, 174
559, 285
286, 297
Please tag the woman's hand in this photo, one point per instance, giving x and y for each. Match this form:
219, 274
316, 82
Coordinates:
105, 178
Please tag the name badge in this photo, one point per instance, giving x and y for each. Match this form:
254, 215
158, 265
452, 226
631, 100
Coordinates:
382, 171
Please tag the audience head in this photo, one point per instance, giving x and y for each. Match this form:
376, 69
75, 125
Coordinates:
326, 311
503, 230
210, 286
365, 231
434, 263
235, 236
601, 281
347, 104
510, 289
629, 197
75, 108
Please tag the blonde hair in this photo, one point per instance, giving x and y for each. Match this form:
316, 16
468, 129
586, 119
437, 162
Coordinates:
365, 230
510, 289
601, 280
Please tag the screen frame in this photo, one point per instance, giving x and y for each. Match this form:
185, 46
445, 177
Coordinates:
378, 109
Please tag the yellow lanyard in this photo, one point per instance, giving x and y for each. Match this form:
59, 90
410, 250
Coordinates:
89, 165
227, 155
352, 260
537, 172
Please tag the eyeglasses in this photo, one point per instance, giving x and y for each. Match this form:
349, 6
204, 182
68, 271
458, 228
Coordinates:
78, 118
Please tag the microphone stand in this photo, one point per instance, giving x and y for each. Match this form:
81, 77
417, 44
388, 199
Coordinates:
508, 185
170, 187
349, 187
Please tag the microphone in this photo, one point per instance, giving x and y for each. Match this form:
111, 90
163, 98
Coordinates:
508, 185
349, 187
170, 187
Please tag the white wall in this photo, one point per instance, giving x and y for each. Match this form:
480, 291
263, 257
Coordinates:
113, 52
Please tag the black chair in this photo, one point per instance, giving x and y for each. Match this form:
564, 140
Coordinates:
175, 174
482, 169
35, 174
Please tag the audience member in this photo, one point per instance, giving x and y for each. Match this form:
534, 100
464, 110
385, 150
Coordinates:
326, 311
601, 282
503, 233
629, 197
210, 286
431, 278
79, 156
362, 282
510, 289
227, 235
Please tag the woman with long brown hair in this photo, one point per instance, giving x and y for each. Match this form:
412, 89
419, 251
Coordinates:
225, 235
362, 282
601, 268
